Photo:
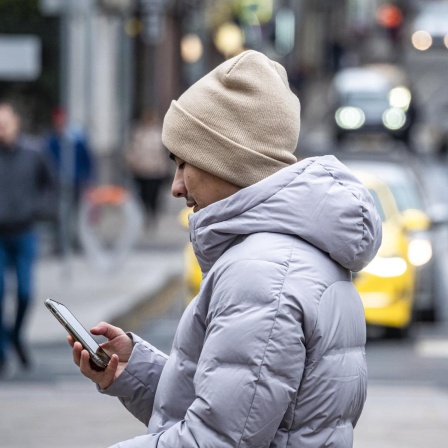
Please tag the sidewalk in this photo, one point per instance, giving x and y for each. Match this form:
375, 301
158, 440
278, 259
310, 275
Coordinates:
93, 295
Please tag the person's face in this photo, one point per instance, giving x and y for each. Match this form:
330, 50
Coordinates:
9, 126
199, 187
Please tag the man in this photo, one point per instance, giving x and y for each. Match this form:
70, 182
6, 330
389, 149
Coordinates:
26, 187
68, 149
270, 353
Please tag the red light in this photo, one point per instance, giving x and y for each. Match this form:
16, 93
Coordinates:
389, 16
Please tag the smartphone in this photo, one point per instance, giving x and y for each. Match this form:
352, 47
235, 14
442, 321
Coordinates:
99, 359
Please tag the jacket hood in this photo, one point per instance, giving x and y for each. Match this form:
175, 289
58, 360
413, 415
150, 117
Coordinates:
317, 199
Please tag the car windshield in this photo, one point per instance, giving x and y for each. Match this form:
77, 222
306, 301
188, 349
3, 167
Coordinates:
406, 196
367, 99
402, 183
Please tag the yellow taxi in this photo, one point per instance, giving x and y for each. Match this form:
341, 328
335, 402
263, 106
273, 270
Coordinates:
387, 284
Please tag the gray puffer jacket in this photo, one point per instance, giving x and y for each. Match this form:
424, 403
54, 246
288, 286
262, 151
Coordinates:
271, 351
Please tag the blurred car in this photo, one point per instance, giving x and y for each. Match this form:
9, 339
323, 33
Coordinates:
429, 29
419, 222
386, 285
373, 99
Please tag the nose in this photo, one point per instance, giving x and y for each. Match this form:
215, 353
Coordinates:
178, 189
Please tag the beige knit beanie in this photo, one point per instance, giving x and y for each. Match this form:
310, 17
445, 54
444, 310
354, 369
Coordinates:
239, 122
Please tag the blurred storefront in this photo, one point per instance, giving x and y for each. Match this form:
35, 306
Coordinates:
120, 58
29, 69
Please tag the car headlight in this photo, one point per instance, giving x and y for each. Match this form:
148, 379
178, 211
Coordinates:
386, 267
400, 97
394, 118
419, 251
421, 40
350, 117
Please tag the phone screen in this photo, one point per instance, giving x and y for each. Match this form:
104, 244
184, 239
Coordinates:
74, 327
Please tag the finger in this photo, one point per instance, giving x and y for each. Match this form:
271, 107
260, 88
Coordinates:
107, 330
70, 340
110, 372
77, 349
113, 365
84, 364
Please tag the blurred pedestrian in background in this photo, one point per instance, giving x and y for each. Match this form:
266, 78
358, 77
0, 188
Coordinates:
27, 188
70, 152
271, 352
147, 160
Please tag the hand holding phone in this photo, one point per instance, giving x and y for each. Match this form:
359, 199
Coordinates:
99, 358
118, 342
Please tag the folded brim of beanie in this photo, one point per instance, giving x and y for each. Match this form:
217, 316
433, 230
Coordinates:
204, 148
240, 122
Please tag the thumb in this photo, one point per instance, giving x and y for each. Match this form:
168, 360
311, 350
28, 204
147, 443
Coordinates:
107, 330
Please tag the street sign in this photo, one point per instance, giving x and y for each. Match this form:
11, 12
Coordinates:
20, 57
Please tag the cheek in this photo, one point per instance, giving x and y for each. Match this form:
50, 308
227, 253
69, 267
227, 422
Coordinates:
189, 180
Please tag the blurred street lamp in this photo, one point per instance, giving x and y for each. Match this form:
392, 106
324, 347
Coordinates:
191, 48
421, 40
229, 39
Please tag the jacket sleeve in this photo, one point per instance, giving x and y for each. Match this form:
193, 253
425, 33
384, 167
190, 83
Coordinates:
137, 384
250, 366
